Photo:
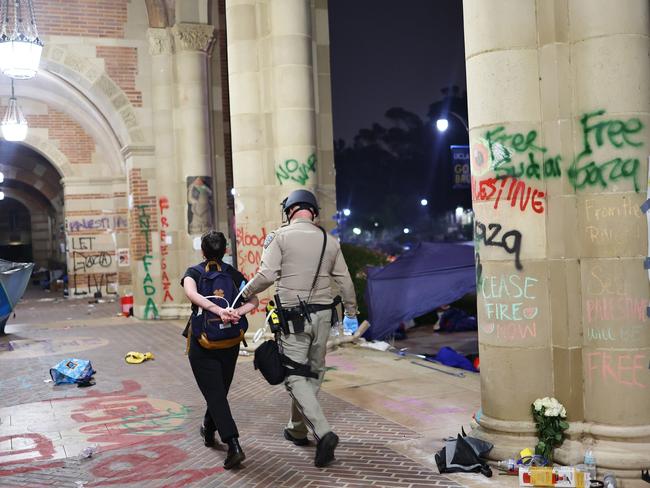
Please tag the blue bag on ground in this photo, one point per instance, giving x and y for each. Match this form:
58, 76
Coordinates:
449, 357
72, 370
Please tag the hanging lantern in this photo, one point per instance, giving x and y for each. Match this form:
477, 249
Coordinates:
20, 50
13, 125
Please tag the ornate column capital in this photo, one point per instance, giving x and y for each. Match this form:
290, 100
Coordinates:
160, 41
193, 37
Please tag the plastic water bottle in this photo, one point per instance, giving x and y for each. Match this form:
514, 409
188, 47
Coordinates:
590, 463
610, 481
509, 465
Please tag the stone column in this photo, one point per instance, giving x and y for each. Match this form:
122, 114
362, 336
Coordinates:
558, 111
326, 172
609, 53
192, 131
273, 115
171, 197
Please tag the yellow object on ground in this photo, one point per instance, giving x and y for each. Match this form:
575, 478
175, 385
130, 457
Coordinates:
134, 357
526, 453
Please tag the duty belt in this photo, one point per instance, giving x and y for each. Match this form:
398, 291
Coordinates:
298, 314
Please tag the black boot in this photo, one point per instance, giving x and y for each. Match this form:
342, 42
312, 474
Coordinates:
235, 454
325, 449
208, 437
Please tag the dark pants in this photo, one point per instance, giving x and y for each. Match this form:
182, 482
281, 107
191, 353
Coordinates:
213, 371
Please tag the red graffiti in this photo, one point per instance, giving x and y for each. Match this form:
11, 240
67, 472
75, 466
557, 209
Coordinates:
249, 251
41, 447
246, 239
518, 192
149, 463
616, 308
616, 367
118, 420
163, 203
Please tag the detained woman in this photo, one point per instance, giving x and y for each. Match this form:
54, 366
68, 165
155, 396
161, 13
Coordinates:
214, 368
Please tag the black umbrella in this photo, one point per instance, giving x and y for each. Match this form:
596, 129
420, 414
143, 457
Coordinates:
463, 455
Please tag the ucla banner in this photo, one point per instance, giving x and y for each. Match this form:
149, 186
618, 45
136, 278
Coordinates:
460, 165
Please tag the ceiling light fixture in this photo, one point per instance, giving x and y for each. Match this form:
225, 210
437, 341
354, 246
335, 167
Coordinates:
20, 50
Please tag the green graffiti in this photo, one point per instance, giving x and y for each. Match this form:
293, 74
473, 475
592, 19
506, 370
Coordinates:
585, 171
156, 425
148, 287
519, 155
292, 170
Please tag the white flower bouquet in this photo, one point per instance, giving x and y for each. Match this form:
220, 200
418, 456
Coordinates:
549, 415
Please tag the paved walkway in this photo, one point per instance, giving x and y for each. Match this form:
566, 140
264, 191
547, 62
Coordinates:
144, 419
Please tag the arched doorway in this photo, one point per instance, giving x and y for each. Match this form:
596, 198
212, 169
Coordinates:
15, 231
31, 214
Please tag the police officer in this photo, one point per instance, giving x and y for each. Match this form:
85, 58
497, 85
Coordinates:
290, 260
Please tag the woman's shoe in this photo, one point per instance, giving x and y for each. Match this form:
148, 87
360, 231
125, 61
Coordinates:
208, 437
235, 454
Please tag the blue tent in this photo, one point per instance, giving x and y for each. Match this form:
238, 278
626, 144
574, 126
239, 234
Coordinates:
14, 278
416, 283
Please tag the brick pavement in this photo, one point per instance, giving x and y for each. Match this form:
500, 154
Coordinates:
144, 420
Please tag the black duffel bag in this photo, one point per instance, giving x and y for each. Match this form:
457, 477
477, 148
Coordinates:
275, 366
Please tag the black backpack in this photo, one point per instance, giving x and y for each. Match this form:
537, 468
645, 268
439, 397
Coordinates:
275, 366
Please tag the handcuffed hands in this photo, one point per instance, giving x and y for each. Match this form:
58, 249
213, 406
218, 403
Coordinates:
226, 315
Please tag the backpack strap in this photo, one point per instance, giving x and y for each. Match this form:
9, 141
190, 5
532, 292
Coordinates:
297, 369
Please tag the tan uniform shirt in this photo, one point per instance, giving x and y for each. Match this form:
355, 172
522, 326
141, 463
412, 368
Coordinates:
290, 259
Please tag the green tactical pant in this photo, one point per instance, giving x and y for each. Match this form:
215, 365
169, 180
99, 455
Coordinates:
308, 347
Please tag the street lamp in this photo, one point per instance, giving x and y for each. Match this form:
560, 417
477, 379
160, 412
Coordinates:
406, 230
424, 202
356, 231
442, 124
346, 212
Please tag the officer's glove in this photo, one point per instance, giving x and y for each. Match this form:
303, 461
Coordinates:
350, 325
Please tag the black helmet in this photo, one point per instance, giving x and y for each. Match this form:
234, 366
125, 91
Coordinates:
303, 198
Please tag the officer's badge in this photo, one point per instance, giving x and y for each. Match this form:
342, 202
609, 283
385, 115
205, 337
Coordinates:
218, 293
269, 239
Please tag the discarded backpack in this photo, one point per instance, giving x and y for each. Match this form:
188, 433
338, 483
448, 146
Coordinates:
464, 455
73, 370
275, 366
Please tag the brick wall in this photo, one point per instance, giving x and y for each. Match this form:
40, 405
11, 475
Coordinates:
122, 66
143, 221
90, 18
73, 140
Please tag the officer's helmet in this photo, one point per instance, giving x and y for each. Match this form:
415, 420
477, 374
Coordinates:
303, 198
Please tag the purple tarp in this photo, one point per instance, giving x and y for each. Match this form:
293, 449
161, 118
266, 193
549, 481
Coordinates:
416, 283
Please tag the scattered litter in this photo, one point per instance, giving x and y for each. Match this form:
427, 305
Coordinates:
464, 455
48, 380
87, 452
376, 345
244, 353
80, 484
73, 370
46, 299
135, 357
560, 476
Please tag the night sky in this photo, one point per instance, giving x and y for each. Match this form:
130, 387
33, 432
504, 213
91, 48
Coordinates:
388, 53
